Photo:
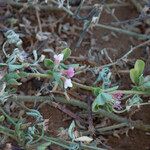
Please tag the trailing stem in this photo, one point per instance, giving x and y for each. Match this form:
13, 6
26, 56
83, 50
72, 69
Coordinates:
133, 124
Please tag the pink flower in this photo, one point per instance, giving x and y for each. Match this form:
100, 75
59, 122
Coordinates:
67, 83
117, 96
58, 58
69, 72
117, 105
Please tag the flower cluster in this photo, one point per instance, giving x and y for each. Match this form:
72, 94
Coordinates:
69, 73
117, 102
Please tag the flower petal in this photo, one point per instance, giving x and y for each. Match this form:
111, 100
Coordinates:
67, 83
84, 139
58, 58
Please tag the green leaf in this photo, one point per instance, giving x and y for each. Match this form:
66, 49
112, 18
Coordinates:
36, 114
50, 72
101, 100
108, 107
70, 65
12, 76
43, 146
134, 76
66, 52
146, 85
96, 91
13, 82
137, 72
112, 89
19, 133
146, 82
2, 118
57, 76
139, 66
71, 130
141, 79
23, 74
15, 67
73, 65
3, 64
48, 63
135, 100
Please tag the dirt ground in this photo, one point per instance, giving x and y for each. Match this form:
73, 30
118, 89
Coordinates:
117, 45
136, 140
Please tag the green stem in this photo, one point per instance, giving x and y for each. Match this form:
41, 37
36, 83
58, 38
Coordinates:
50, 8
66, 144
136, 35
39, 75
49, 99
104, 129
40, 136
113, 127
129, 92
7, 131
124, 110
83, 105
82, 86
91, 88
120, 111
7, 116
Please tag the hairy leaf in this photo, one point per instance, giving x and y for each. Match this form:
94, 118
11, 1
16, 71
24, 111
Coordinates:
71, 130
43, 146
101, 100
48, 63
2, 118
13, 82
137, 72
67, 53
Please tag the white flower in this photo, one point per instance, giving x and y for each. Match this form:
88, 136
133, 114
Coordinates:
22, 56
84, 139
58, 58
94, 20
41, 58
60, 3
67, 83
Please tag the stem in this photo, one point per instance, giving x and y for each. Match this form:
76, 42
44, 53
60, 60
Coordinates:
66, 144
136, 124
7, 116
56, 9
137, 105
119, 111
129, 92
113, 127
136, 35
72, 102
91, 88
104, 129
39, 75
82, 86
8, 132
